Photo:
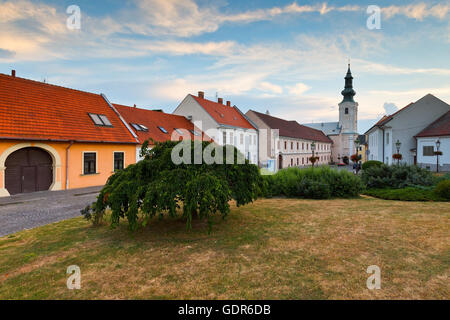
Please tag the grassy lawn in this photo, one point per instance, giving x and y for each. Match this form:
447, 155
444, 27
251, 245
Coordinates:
271, 249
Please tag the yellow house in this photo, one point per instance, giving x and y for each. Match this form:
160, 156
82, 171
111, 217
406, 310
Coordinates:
55, 138
363, 148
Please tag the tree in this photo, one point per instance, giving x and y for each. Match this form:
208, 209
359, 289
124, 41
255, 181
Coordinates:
158, 186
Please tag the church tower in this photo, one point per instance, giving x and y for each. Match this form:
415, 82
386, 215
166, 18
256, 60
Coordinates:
348, 117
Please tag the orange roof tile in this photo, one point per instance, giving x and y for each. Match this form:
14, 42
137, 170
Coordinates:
224, 114
39, 111
153, 119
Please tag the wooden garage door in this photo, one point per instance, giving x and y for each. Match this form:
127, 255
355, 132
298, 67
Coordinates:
28, 170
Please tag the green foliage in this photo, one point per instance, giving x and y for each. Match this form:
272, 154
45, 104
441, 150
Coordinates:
396, 176
442, 189
440, 178
405, 194
371, 163
156, 186
313, 183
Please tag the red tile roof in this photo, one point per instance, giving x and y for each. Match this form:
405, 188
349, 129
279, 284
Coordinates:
153, 119
441, 127
224, 114
292, 128
40, 111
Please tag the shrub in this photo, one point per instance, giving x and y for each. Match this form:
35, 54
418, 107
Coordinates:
442, 189
314, 183
405, 194
157, 186
371, 163
401, 176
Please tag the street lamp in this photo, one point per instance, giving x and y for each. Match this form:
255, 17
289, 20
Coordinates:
398, 144
313, 148
438, 144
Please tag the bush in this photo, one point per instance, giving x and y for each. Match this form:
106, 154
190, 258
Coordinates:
396, 176
313, 183
442, 189
405, 194
371, 163
157, 186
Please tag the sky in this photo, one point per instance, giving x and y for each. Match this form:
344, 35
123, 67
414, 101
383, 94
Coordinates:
288, 57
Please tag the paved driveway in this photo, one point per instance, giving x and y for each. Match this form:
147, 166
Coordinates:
26, 211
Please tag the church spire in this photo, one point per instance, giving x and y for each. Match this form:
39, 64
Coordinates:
348, 91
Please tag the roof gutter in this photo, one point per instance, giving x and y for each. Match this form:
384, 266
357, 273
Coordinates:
120, 117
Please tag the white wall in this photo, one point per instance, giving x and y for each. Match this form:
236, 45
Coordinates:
375, 143
444, 160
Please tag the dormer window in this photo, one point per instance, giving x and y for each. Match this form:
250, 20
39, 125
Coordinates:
100, 120
139, 127
195, 133
162, 129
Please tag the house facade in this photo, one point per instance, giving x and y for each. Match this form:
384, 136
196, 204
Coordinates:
156, 126
435, 135
56, 138
287, 143
403, 126
343, 133
223, 123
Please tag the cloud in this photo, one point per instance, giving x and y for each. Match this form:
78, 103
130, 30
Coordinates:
5, 54
299, 89
417, 11
267, 86
390, 108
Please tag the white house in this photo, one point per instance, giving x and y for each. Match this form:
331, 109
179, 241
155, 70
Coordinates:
403, 126
286, 143
435, 135
225, 124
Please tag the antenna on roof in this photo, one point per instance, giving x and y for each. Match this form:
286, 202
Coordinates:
217, 95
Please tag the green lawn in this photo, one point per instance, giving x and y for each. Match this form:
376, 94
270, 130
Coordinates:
271, 249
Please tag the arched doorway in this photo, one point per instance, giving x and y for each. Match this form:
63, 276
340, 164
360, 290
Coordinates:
28, 170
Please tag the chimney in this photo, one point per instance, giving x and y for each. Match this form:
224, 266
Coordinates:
13, 73
134, 106
268, 113
201, 94
220, 100
228, 104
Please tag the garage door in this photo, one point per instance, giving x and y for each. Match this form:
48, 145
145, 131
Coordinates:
28, 170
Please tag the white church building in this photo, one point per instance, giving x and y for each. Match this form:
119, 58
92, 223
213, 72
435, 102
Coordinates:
344, 132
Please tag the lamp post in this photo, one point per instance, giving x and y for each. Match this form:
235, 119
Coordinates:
313, 148
398, 144
357, 142
438, 144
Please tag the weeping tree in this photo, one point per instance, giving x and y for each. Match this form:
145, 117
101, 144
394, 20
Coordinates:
189, 178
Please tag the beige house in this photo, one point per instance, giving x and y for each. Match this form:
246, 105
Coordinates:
284, 143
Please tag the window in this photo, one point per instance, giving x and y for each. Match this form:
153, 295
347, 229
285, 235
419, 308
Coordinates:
196, 133
242, 139
179, 131
100, 120
90, 162
428, 150
292, 162
303, 160
303, 146
139, 127
119, 159
285, 145
297, 161
307, 146
162, 129
292, 145
298, 145
346, 110
224, 138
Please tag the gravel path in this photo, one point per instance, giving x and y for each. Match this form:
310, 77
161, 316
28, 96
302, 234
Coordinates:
26, 211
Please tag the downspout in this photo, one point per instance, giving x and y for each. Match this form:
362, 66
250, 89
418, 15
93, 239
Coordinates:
67, 164
383, 144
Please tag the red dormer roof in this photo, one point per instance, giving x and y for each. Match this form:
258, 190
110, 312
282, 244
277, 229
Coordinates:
35, 110
154, 119
224, 114
292, 129
441, 127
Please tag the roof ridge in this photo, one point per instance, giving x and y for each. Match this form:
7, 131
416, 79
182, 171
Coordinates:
163, 113
46, 84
